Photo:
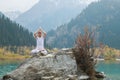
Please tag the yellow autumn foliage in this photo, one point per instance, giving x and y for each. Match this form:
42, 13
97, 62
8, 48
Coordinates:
20, 54
107, 52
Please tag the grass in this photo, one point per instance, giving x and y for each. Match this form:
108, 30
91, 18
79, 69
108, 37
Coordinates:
6, 54
18, 53
11, 56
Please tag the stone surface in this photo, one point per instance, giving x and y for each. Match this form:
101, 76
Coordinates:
54, 66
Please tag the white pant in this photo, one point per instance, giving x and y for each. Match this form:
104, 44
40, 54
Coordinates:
35, 51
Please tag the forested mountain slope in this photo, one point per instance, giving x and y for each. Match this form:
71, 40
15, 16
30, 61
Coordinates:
104, 14
13, 34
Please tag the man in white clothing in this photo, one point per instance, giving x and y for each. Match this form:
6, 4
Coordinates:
39, 36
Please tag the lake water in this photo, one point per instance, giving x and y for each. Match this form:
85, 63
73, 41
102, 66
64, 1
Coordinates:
111, 69
7, 66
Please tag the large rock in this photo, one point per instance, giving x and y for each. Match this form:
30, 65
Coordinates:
55, 66
60, 66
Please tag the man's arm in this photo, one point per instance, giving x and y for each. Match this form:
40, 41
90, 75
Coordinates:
35, 35
44, 34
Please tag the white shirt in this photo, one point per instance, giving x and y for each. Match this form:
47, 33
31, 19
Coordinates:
40, 43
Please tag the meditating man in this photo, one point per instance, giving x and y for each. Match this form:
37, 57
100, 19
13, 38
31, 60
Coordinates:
39, 36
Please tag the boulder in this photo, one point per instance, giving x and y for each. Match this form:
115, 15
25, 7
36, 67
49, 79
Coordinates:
51, 67
54, 66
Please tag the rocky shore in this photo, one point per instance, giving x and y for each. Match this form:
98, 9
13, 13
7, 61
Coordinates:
55, 66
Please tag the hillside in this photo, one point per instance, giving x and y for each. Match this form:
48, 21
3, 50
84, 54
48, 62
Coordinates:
12, 14
13, 34
104, 14
50, 14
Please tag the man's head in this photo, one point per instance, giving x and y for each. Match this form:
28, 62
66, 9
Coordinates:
39, 33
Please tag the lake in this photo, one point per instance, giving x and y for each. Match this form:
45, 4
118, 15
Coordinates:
111, 69
7, 66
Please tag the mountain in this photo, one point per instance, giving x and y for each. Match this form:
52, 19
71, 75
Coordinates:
13, 34
104, 14
50, 13
12, 14
1, 14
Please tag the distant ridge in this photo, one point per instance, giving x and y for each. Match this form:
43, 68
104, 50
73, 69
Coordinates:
50, 14
104, 14
12, 14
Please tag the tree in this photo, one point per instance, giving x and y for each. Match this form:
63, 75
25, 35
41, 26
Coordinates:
13, 34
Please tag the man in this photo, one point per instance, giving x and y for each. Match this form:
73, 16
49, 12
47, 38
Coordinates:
39, 36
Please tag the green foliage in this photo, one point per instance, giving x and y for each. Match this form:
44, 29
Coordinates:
13, 34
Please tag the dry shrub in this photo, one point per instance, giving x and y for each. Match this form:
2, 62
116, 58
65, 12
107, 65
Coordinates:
84, 53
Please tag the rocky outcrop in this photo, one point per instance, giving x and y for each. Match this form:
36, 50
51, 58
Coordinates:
59, 66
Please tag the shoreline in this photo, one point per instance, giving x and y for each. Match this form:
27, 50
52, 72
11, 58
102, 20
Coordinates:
10, 61
23, 58
13, 57
117, 59
99, 59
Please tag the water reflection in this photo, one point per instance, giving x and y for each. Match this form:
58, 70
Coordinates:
7, 66
110, 68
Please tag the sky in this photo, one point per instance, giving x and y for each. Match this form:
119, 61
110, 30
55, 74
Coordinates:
16, 5
23, 5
